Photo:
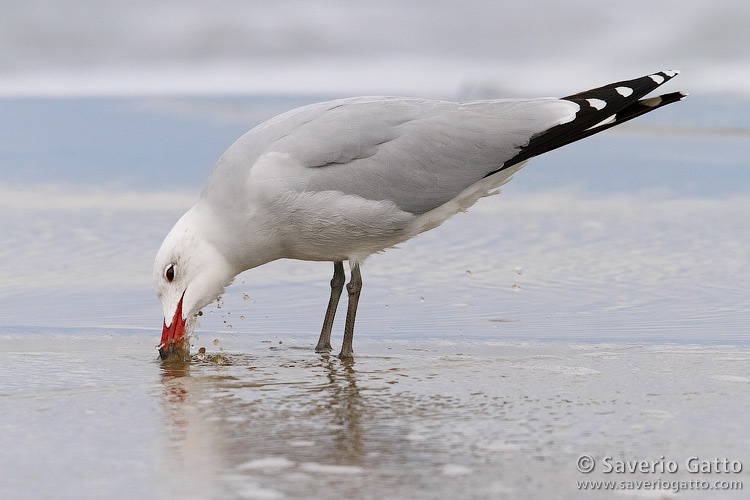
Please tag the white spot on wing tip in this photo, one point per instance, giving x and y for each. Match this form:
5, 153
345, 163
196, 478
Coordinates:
683, 95
652, 102
597, 103
657, 78
624, 91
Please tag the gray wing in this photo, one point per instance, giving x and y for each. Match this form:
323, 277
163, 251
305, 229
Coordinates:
419, 154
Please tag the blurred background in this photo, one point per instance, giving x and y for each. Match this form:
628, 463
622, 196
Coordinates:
112, 114
435, 48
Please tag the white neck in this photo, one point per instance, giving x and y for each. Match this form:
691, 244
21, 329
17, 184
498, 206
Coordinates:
246, 240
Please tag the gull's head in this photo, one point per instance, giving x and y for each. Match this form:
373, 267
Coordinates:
189, 273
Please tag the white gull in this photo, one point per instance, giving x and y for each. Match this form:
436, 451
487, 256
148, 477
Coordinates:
340, 180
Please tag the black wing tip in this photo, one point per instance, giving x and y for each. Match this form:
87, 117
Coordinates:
620, 101
601, 108
634, 89
631, 111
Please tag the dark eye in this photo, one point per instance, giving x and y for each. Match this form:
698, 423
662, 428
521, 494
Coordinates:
169, 273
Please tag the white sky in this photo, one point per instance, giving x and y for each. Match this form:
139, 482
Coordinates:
431, 48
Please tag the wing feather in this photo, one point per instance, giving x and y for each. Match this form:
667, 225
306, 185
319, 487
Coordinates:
419, 154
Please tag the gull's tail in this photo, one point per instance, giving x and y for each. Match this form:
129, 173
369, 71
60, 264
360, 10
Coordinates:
601, 108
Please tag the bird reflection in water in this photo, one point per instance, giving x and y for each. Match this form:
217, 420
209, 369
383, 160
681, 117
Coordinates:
344, 403
193, 450
222, 416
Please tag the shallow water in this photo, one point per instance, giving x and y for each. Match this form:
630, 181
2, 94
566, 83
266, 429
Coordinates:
598, 306
100, 417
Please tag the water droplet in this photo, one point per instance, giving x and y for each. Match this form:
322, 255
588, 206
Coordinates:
199, 313
519, 270
229, 327
468, 273
216, 341
242, 317
516, 287
246, 296
279, 342
421, 299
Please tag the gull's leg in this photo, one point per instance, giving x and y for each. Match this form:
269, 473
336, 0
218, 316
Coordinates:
354, 287
337, 285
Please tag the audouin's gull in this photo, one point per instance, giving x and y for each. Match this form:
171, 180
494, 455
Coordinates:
343, 179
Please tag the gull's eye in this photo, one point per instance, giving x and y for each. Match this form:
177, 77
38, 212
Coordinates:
169, 273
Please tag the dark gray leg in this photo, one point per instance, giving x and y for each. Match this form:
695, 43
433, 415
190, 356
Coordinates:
354, 287
337, 285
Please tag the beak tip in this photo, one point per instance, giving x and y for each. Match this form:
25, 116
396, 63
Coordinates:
173, 352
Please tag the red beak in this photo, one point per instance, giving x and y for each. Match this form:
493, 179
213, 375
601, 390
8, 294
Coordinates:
173, 336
